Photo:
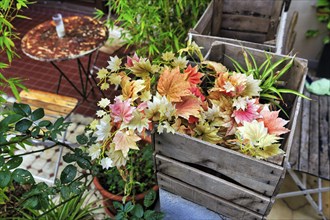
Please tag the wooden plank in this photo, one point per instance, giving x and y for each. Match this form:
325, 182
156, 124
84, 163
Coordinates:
290, 34
295, 148
260, 176
313, 159
51, 107
213, 185
216, 17
245, 23
252, 37
274, 19
203, 26
205, 199
303, 160
253, 7
206, 43
48, 97
324, 165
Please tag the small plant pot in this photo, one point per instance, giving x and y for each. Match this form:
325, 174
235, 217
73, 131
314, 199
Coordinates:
109, 198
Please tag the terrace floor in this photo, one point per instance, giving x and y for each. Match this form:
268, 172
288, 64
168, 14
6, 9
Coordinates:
43, 76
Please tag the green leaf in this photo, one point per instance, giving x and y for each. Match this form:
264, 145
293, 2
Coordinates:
311, 33
14, 162
12, 118
2, 161
293, 92
31, 202
44, 123
35, 131
326, 40
37, 114
128, 207
82, 139
23, 125
138, 211
5, 177
22, 176
118, 206
65, 192
68, 174
149, 198
22, 109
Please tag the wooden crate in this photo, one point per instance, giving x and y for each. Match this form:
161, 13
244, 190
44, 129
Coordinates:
249, 23
223, 180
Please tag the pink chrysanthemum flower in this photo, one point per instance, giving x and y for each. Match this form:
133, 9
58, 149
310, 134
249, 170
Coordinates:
248, 112
121, 110
130, 60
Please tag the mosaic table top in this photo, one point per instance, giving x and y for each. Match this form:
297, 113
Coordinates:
83, 35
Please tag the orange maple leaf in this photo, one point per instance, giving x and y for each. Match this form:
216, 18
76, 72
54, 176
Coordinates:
190, 106
274, 123
173, 85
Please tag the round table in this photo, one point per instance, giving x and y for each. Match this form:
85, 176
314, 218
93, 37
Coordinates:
83, 36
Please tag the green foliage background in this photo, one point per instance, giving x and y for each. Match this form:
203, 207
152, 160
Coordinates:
155, 26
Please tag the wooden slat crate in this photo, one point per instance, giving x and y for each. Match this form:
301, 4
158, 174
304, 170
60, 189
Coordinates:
223, 180
249, 23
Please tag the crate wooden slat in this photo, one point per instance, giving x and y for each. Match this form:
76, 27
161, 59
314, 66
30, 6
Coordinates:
213, 184
205, 199
248, 21
189, 167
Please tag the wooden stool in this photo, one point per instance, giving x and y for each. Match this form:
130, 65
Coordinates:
55, 106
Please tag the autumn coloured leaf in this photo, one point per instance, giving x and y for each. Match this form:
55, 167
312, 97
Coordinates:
126, 140
193, 76
131, 89
190, 106
217, 67
271, 121
173, 85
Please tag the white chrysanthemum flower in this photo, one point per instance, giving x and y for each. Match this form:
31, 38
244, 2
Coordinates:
181, 62
240, 103
168, 56
212, 113
115, 79
100, 113
103, 128
229, 87
104, 102
94, 151
106, 163
114, 63
252, 87
161, 107
102, 73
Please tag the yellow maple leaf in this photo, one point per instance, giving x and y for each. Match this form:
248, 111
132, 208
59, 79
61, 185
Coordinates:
173, 85
131, 89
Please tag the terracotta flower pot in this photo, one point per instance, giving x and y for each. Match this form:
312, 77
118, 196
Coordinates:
109, 198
